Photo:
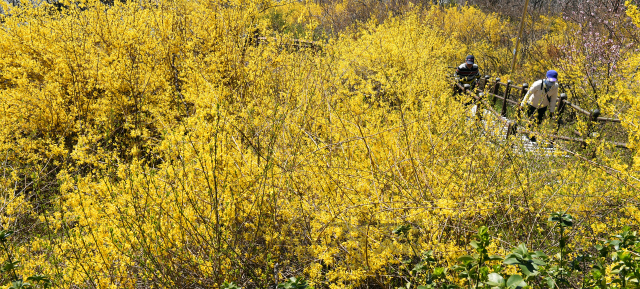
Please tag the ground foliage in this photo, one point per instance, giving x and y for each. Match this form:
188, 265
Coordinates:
160, 144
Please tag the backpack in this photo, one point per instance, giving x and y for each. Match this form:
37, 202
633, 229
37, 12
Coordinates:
543, 87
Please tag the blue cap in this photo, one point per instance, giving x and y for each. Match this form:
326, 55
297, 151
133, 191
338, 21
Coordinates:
552, 75
470, 59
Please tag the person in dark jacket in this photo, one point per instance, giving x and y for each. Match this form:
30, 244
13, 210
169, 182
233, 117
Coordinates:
468, 72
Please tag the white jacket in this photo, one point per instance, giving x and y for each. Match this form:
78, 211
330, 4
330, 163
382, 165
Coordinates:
537, 98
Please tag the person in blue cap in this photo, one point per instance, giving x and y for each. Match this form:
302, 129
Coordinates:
468, 72
543, 94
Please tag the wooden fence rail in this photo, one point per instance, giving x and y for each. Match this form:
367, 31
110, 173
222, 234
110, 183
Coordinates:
293, 43
493, 90
563, 101
512, 124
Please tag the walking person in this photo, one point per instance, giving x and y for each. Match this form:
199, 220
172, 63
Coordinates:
468, 72
543, 94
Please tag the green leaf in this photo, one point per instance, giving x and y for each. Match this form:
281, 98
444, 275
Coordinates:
541, 255
483, 230
615, 244
511, 260
402, 230
495, 280
538, 262
294, 283
466, 259
428, 256
474, 244
516, 281
439, 272
419, 268
550, 282
528, 270
596, 273
18, 284
625, 256
10, 266
496, 258
564, 220
4, 235
38, 278
521, 250
231, 285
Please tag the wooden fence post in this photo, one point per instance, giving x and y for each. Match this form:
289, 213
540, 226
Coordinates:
523, 93
512, 129
506, 96
496, 89
525, 88
561, 106
465, 94
484, 83
478, 114
593, 118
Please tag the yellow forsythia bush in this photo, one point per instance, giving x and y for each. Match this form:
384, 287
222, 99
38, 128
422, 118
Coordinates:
155, 144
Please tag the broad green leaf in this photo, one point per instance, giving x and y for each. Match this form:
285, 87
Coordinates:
539, 262
4, 235
402, 229
17, 285
564, 220
10, 266
550, 282
516, 281
38, 278
541, 255
509, 260
615, 244
419, 268
466, 259
495, 257
495, 280
528, 270
596, 274
625, 256
439, 272
521, 250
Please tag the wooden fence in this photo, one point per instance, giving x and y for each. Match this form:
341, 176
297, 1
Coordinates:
500, 90
486, 87
290, 44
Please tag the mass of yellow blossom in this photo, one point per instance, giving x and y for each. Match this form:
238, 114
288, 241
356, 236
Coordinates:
161, 144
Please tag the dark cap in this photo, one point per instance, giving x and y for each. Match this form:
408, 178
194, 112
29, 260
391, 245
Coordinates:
470, 59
